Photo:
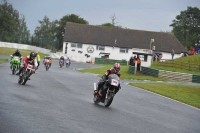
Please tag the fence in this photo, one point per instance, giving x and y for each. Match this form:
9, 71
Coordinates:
167, 74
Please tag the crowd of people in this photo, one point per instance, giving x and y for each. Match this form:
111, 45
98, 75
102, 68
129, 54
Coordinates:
135, 61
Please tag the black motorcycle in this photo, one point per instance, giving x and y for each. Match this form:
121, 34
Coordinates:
112, 86
61, 63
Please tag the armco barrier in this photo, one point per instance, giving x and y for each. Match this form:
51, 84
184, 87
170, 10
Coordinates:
131, 69
149, 71
168, 74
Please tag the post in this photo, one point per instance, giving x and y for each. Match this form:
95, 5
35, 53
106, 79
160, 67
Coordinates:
135, 68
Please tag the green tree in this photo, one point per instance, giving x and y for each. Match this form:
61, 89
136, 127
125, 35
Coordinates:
113, 23
12, 27
45, 34
23, 32
108, 25
9, 21
62, 24
186, 27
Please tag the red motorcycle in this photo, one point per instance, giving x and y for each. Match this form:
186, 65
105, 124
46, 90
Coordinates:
47, 63
27, 70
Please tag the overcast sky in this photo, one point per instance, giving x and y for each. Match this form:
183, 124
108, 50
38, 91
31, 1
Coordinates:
150, 15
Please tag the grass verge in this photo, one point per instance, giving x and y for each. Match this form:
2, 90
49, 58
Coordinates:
187, 94
3, 61
124, 73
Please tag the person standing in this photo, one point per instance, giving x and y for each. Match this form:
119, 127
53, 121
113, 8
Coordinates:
37, 56
173, 54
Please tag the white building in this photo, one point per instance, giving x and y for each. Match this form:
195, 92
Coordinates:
81, 40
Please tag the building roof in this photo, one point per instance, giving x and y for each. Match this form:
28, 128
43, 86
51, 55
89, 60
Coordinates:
119, 37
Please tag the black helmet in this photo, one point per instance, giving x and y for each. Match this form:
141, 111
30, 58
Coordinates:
17, 51
32, 55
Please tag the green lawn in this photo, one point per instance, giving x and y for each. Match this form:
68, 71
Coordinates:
186, 94
124, 73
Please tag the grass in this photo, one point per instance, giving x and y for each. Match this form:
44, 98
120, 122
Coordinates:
3, 61
10, 51
123, 71
186, 94
183, 62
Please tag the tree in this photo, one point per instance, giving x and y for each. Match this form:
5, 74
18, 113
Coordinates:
113, 23
186, 27
23, 32
45, 34
12, 27
62, 24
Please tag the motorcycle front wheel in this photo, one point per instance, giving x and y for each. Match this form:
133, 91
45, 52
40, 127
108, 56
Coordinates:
108, 100
96, 99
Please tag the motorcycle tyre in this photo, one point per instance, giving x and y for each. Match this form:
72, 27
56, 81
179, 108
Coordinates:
96, 99
108, 102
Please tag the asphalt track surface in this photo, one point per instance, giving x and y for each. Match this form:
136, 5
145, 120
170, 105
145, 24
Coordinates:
60, 100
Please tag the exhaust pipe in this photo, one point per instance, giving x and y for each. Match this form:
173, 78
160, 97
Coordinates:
95, 86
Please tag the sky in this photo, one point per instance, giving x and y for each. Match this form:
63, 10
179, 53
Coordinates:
148, 15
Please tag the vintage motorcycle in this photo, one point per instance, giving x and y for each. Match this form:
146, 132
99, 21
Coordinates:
47, 63
15, 63
112, 86
27, 70
61, 63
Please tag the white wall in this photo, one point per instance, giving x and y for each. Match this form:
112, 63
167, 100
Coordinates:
114, 53
24, 46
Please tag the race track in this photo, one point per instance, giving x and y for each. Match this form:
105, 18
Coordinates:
61, 101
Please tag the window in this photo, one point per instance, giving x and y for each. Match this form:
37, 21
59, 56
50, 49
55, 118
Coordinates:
79, 45
123, 50
73, 44
76, 45
102, 48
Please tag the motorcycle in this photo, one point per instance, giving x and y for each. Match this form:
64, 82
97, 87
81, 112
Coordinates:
67, 63
112, 86
61, 63
47, 63
25, 74
15, 63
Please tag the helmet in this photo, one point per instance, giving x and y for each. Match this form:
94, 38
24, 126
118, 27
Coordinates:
117, 67
36, 52
32, 55
17, 51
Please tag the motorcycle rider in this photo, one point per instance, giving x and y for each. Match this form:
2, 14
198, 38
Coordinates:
37, 57
68, 61
16, 53
28, 60
62, 58
101, 84
48, 58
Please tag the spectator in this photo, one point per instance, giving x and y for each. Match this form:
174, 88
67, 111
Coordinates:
173, 54
131, 61
138, 63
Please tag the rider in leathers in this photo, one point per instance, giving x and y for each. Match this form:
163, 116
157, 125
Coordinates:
17, 53
62, 58
101, 84
28, 60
